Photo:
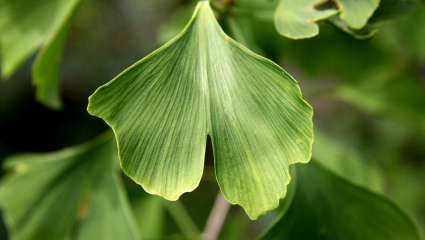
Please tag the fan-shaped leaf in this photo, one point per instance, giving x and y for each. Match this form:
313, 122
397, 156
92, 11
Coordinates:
326, 206
345, 161
72, 192
204, 83
28, 25
298, 19
356, 13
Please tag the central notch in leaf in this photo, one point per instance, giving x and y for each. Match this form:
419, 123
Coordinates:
203, 83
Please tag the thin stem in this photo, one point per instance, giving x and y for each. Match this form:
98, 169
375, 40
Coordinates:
216, 219
183, 220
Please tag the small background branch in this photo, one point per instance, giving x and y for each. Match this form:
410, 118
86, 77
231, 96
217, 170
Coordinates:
216, 219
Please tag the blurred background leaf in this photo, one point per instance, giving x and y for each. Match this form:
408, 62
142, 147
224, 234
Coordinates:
298, 19
28, 25
72, 192
347, 162
329, 207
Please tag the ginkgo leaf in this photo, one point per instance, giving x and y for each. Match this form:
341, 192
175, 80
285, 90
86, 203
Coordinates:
327, 207
204, 83
387, 10
72, 192
356, 13
298, 19
28, 25
45, 70
364, 33
110, 215
153, 208
345, 161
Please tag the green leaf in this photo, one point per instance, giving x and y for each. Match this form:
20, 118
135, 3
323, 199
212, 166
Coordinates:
356, 13
46, 69
364, 33
328, 207
72, 192
28, 25
204, 83
110, 216
183, 220
387, 10
298, 19
346, 162
152, 208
